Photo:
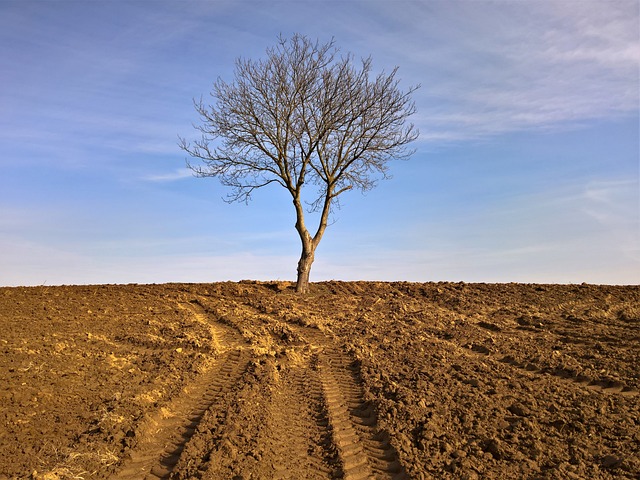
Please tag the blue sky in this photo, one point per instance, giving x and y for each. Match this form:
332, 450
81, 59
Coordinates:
526, 170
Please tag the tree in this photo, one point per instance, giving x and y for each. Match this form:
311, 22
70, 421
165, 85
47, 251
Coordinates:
303, 116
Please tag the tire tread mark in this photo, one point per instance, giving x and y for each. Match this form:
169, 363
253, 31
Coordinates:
364, 452
301, 429
166, 433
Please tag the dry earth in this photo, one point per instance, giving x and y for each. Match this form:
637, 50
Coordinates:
356, 380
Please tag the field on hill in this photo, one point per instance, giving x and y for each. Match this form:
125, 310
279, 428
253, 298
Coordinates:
356, 380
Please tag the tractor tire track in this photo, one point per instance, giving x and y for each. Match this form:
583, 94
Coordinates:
294, 407
275, 427
364, 451
165, 434
299, 440
223, 335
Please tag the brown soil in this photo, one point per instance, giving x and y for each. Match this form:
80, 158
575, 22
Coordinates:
356, 380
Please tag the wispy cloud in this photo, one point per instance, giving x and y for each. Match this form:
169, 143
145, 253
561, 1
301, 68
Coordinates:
97, 93
615, 206
178, 174
494, 67
586, 230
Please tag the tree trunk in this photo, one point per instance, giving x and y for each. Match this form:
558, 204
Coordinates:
304, 268
309, 243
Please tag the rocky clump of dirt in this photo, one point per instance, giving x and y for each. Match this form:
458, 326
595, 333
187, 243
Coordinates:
354, 380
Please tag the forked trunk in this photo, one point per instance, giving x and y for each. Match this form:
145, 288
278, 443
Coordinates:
309, 243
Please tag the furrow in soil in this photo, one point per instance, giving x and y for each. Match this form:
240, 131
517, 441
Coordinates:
569, 379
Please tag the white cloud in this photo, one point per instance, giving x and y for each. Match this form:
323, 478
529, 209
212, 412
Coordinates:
494, 67
112, 96
178, 174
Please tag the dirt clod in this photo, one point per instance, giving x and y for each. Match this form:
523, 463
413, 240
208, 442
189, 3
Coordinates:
355, 380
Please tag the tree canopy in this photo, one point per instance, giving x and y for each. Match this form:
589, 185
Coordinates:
304, 115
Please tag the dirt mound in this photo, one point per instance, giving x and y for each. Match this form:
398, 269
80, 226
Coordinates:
356, 380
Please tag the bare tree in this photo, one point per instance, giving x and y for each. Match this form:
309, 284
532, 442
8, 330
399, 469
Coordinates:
303, 116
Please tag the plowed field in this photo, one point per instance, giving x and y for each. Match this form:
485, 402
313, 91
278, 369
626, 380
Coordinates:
355, 380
